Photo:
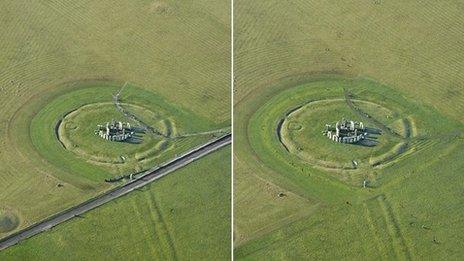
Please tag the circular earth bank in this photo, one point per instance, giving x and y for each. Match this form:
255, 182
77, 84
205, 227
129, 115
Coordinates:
62, 128
301, 133
77, 133
285, 131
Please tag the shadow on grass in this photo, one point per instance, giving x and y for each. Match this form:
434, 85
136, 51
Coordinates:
137, 137
371, 138
368, 142
374, 131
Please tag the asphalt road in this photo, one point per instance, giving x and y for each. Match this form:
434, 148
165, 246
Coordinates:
150, 176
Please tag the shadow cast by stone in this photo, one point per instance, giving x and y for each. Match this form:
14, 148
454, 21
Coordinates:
134, 140
371, 130
138, 130
137, 136
368, 142
371, 139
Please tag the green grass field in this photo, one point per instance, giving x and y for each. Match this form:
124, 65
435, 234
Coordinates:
82, 154
184, 216
399, 59
63, 57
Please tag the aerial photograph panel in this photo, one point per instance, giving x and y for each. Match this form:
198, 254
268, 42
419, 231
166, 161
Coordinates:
115, 130
348, 130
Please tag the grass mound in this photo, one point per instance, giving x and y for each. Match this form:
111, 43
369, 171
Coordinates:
8, 221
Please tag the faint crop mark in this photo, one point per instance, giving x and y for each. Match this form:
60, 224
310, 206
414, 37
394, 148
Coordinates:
163, 233
386, 229
375, 233
399, 243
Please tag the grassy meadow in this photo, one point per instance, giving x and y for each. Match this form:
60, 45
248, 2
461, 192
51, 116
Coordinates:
288, 54
83, 154
174, 54
185, 216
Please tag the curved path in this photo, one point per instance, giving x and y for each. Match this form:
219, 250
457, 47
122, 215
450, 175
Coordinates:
148, 177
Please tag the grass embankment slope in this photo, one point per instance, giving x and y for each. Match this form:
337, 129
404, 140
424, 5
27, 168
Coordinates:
177, 50
414, 210
82, 154
185, 215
